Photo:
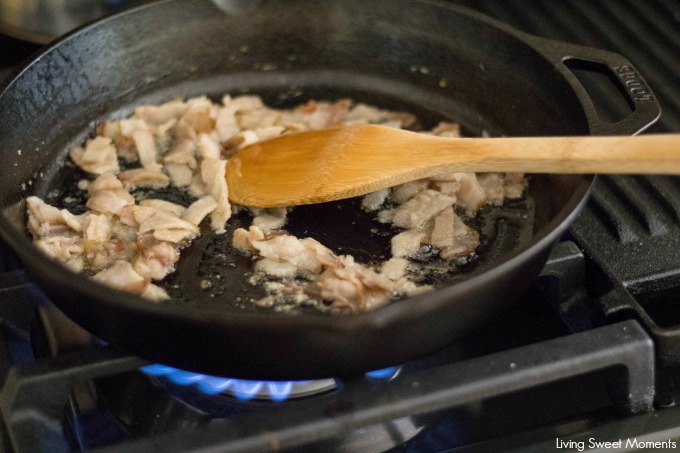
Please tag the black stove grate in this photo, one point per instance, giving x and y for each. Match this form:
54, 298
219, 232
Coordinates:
628, 274
36, 393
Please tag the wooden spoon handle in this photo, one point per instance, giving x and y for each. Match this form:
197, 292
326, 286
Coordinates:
403, 156
644, 154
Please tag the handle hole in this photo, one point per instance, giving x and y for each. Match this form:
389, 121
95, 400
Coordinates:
606, 92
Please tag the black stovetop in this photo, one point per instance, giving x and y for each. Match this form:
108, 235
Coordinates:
591, 351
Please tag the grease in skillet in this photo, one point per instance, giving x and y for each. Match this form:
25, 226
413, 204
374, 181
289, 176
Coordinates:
153, 183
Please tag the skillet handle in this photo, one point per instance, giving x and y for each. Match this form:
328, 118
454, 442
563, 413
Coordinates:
645, 108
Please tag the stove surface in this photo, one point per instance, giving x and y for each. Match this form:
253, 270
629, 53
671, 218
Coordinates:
590, 352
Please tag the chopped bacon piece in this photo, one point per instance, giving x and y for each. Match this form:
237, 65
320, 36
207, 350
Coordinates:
141, 177
146, 149
111, 201
122, 276
421, 208
212, 172
199, 209
98, 157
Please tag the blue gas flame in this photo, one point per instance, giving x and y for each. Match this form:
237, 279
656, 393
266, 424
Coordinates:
211, 385
383, 374
242, 389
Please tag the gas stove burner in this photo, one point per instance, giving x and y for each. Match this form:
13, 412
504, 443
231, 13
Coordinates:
246, 390
242, 389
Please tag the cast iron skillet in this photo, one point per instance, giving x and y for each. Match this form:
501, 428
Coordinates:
427, 57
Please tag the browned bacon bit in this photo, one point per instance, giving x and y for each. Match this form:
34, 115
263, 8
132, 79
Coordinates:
232, 145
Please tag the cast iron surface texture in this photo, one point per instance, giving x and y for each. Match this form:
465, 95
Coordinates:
507, 82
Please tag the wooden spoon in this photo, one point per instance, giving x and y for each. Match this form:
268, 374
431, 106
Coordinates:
331, 164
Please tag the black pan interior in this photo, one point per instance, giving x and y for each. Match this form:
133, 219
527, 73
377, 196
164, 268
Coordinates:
212, 275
